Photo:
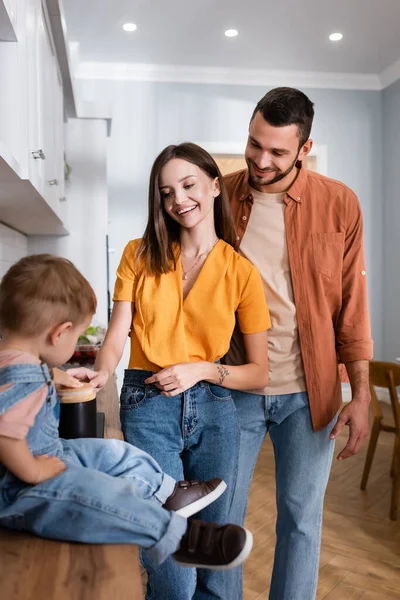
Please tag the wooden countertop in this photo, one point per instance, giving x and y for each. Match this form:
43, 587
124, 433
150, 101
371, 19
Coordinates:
108, 403
35, 569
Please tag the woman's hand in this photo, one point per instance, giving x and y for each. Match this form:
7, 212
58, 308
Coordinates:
98, 379
179, 378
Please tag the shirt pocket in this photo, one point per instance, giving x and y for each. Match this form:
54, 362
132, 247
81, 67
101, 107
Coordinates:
328, 249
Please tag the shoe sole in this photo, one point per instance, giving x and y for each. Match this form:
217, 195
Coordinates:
193, 508
248, 545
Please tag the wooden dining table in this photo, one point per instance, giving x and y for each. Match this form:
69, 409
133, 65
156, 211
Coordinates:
32, 568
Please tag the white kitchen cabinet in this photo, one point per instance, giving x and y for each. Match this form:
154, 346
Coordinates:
31, 126
45, 114
8, 20
34, 155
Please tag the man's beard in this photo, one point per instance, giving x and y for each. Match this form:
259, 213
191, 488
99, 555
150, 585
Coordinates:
278, 177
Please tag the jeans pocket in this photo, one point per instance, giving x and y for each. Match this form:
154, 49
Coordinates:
217, 392
132, 397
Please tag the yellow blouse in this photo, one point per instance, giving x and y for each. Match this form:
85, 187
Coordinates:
167, 329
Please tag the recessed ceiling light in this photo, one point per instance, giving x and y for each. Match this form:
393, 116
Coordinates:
336, 37
231, 32
129, 27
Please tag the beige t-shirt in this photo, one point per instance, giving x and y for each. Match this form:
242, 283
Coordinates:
264, 244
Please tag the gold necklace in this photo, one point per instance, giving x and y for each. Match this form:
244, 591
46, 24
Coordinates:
199, 258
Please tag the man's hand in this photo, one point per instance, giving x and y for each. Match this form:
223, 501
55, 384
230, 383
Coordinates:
179, 378
355, 416
97, 379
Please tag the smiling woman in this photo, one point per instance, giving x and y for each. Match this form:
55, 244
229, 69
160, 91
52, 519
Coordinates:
183, 178
179, 293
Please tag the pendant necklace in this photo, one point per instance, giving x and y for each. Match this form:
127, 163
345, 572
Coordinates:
199, 258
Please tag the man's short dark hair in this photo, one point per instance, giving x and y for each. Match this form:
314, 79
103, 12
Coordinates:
287, 106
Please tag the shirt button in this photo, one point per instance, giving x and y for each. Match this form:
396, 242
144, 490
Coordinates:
298, 198
244, 218
363, 272
237, 238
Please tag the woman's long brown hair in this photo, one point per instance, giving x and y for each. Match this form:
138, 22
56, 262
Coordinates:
161, 237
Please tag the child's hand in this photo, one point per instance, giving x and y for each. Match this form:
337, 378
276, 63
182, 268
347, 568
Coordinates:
97, 379
63, 378
47, 467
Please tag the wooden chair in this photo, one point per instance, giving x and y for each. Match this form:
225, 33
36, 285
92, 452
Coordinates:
385, 375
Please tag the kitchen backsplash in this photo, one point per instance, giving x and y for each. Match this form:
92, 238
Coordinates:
13, 246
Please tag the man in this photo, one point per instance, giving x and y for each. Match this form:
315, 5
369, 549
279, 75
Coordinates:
304, 233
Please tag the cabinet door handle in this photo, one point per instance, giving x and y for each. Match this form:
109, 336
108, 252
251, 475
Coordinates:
38, 154
52, 182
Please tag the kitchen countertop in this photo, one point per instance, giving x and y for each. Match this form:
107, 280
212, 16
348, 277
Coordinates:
108, 403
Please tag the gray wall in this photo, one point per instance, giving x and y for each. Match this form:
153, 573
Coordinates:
391, 222
148, 116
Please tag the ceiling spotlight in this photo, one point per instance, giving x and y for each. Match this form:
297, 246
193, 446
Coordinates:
129, 27
336, 37
231, 32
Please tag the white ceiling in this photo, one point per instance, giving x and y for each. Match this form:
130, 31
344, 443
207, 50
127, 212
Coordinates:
280, 34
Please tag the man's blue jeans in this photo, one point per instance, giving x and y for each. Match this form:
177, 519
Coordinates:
303, 460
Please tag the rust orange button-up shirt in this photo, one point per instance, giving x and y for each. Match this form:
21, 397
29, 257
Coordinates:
324, 232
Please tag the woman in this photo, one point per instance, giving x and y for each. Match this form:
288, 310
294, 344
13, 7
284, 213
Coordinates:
178, 292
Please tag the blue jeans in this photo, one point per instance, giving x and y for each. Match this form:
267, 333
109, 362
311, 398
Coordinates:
111, 493
303, 461
194, 435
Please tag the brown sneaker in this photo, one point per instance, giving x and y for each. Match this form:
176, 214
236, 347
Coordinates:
212, 546
189, 497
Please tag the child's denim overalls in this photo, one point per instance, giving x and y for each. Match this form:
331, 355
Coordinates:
111, 492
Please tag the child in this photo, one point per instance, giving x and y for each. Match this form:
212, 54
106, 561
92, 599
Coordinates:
85, 490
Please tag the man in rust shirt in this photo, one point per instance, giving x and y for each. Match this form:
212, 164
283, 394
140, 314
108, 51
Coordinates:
304, 232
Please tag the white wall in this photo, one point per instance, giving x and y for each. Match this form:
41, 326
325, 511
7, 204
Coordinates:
391, 223
148, 116
13, 246
86, 208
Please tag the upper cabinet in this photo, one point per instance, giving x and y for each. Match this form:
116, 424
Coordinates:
8, 18
31, 123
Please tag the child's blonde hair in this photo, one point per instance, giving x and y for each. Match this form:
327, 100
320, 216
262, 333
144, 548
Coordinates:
43, 290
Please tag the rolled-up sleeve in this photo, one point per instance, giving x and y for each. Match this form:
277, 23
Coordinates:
353, 330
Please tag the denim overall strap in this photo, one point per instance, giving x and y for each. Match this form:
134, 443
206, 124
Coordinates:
24, 379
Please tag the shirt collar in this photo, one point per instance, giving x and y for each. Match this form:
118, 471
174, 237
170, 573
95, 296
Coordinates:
296, 191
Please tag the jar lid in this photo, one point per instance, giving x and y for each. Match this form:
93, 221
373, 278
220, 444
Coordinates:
80, 394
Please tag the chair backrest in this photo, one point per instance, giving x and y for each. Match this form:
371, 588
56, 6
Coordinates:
385, 375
